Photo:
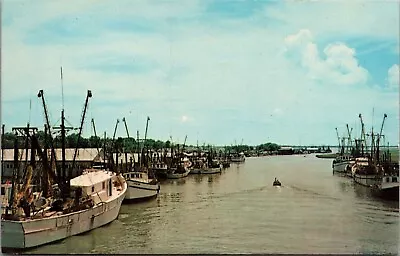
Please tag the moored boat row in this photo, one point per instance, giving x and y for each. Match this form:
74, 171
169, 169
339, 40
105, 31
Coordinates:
368, 165
46, 204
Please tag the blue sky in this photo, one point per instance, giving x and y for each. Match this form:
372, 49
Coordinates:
217, 71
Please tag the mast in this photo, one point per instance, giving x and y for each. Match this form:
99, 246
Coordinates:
138, 149
379, 137
95, 135
363, 140
2, 149
184, 142
349, 138
46, 115
65, 186
104, 150
89, 95
15, 170
126, 126
113, 146
126, 154
145, 137
337, 134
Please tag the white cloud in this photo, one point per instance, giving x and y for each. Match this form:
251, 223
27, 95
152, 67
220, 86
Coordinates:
330, 19
393, 77
339, 63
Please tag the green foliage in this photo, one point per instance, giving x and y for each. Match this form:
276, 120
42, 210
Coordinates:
8, 140
124, 144
268, 147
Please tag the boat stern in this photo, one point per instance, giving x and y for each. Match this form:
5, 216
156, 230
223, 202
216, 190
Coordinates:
12, 235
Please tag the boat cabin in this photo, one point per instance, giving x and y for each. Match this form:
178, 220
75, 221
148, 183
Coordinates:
134, 175
98, 185
5, 195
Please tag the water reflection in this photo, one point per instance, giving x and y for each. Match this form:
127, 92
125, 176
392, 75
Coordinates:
139, 224
178, 182
345, 186
174, 197
198, 178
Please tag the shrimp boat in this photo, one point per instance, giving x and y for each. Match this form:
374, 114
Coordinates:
140, 185
56, 207
98, 198
377, 171
342, 164
238, 158
201, 167
364, 172
179, 170
180, 165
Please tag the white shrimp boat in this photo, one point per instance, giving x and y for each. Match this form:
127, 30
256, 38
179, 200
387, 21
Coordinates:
364, 172
343, 164
159, 168
99, 194
140, 186
238, 158
388, 187
204, 168
177, 173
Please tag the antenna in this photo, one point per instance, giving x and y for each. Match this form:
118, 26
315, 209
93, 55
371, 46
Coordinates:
62, 88
373, 113
30, 110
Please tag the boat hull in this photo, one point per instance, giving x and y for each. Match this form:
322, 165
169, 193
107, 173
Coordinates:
341, 167
206, 171
366, 180
32, 233
177, 175
238, 159
139, 191
387, 193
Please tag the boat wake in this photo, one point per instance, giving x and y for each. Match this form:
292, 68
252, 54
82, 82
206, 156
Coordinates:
311, 192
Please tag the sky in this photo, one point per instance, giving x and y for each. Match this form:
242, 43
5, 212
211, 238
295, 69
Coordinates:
220, 72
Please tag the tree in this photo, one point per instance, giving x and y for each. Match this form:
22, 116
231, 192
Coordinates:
95, 142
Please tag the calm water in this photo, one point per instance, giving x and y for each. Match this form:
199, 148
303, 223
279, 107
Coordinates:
239, 211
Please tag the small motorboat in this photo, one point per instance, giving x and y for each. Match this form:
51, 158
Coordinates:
276, 183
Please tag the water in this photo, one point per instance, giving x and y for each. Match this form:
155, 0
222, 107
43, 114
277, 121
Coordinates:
239, 211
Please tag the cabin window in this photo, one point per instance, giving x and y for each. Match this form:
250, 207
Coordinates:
394, 179
387, 179
3, 191
92, 189
140, 175
104, 184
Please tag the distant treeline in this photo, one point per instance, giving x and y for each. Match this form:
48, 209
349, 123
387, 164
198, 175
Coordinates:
124, 144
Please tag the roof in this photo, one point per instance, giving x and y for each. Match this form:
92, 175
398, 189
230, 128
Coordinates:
286, 148
83, 154
91, 178
9, 154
